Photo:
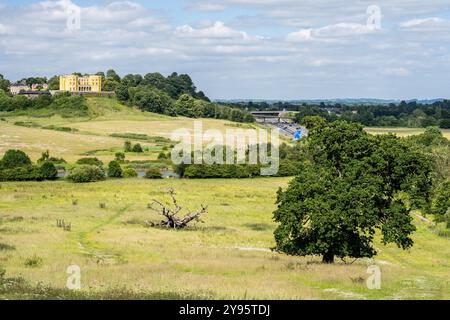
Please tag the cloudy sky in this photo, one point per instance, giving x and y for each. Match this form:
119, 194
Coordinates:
268, 49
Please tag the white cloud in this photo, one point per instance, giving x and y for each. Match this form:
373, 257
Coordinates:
311, 48
330, 32
217, 30
397, 72
207, 6
426, 24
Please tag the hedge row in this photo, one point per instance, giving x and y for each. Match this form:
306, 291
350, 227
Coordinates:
30, 173
237, 171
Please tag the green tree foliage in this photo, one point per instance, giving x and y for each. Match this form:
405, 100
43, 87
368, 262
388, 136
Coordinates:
14, 159
86, 173
4, 84
129, 173
137, 148
162, 156
441, 203
127, 146
352, 186
112, 75
53, 83
120, 157
153, 173
152, 100
114, 170
48, 171
90, 161
313, 122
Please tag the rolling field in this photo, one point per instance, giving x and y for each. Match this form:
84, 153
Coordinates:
107, 117
403, 132
226, 257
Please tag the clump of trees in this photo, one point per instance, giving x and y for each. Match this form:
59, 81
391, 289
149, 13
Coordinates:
15, 165
405, 114
63, 104
352, 184
153, 173
115, 170
86, 173
90, 162
290, 158
173, 95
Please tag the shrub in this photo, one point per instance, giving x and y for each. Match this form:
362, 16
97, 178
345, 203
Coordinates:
28, 173
13, 159
33, 262
137, 148
48, 171
153, 173
90, 162
162, 156
127, 146
120, 157
114, 170
130, 173
86, 173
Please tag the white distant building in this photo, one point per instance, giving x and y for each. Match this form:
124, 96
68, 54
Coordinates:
16, 88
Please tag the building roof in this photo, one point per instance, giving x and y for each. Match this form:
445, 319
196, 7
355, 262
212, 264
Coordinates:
34, 92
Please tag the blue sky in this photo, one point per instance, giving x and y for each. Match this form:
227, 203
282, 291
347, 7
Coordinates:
266, 49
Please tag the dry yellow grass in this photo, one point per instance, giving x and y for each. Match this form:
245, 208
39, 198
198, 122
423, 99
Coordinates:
404, 132
227, 257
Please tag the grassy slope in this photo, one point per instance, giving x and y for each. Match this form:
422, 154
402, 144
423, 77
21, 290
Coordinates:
107, 116
228, 257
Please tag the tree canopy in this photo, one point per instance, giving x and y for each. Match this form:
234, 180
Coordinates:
352, 185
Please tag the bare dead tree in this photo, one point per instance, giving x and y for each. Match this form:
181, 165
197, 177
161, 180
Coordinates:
172, 216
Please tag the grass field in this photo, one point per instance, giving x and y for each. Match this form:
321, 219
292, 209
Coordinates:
107, 117
227, 257
403, 132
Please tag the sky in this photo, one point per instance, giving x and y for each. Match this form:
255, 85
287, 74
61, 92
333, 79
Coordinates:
240, 49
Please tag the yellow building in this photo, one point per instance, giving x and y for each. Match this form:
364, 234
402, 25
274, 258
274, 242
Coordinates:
74, 83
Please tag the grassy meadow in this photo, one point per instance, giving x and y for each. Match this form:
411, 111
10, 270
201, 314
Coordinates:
228, 256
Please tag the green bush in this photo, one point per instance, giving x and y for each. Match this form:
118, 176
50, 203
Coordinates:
13, 159
90, 162
129, 173
114, 170
86, 173
162, 156
28, 173
120, 157
153, 173
137, 148
48, 171
127, 147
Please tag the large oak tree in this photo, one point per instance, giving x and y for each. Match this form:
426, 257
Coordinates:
353, 184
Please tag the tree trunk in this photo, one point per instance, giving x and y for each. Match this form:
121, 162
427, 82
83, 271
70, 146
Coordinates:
328, 257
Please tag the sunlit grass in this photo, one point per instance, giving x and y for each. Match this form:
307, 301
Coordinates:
228, 257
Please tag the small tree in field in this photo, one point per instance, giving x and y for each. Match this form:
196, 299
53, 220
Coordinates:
14, 159
137, 148
114, 170
127, 146
353, 184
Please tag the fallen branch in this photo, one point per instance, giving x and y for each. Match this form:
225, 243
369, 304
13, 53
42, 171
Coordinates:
171, 215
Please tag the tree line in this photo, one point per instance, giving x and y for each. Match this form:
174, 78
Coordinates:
174, 95
411, 114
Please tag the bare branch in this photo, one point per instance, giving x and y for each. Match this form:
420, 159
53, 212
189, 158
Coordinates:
170, 214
